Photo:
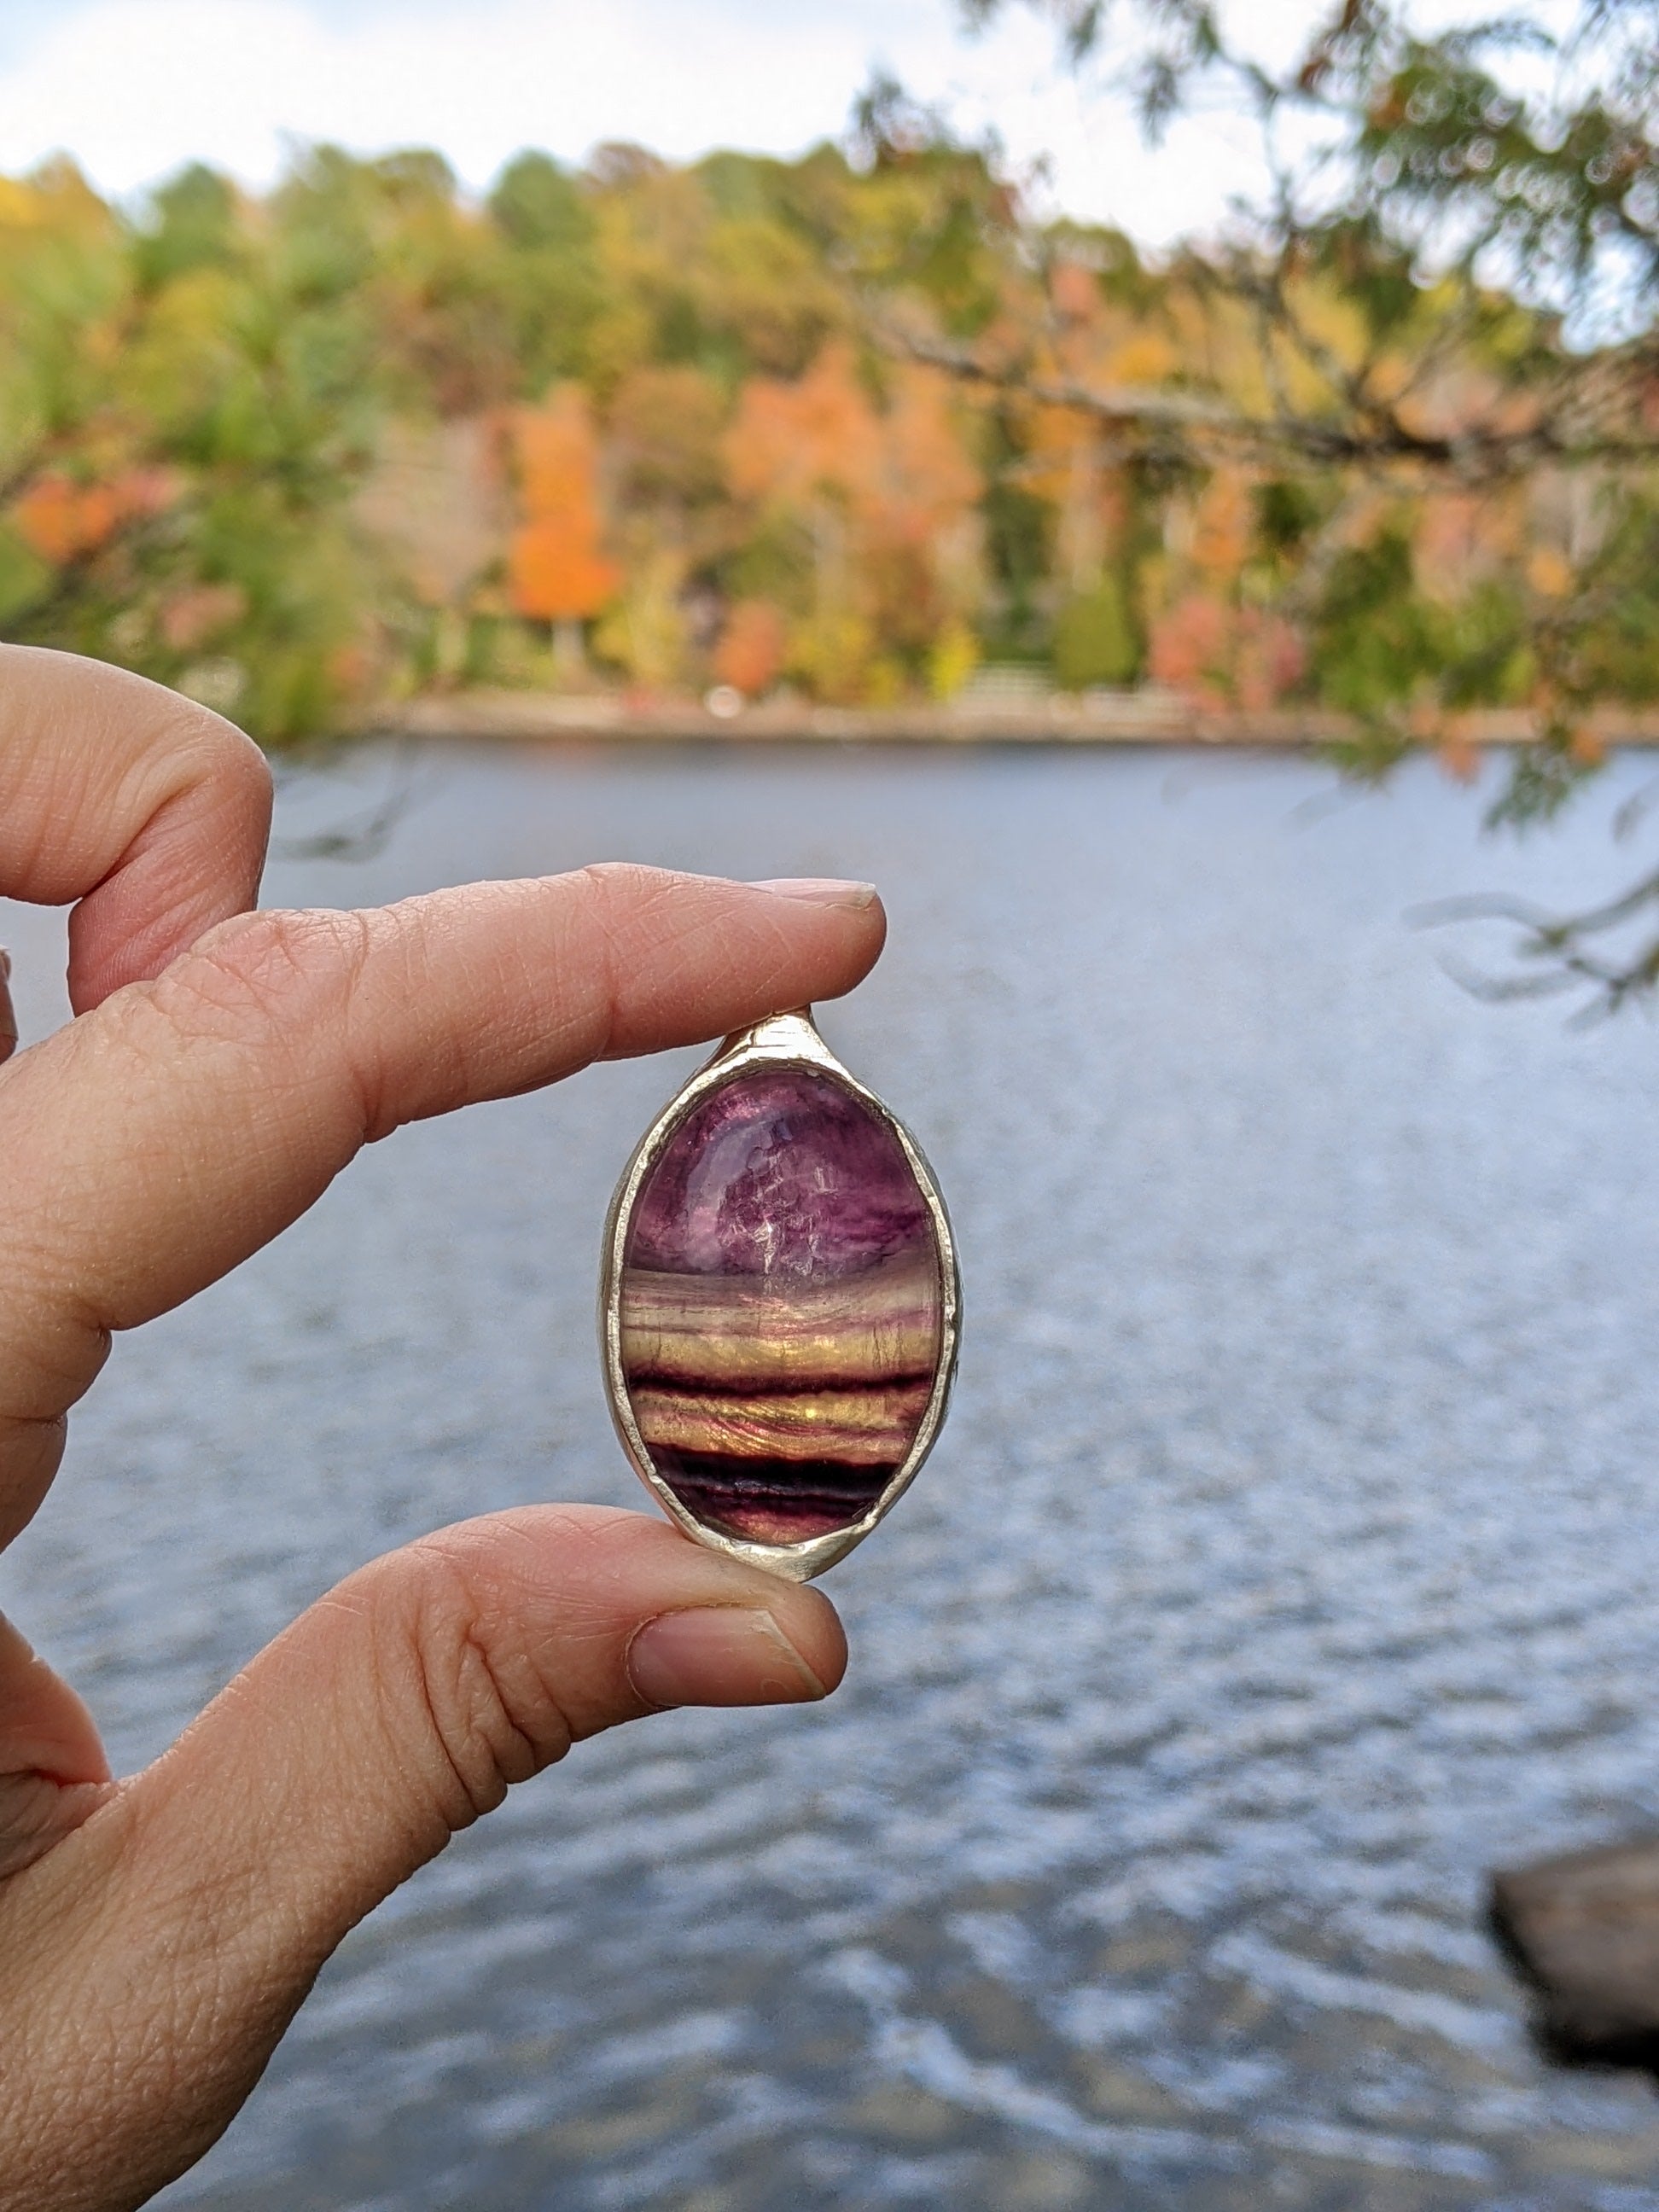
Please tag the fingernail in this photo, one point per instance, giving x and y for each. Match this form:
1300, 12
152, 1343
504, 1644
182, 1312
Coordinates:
818, 890
719, 1656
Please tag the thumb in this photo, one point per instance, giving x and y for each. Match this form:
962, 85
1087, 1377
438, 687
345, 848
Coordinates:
202, 1897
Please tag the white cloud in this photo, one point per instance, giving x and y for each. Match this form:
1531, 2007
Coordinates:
134, 87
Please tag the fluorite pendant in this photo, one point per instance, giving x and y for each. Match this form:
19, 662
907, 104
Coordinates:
779, 1304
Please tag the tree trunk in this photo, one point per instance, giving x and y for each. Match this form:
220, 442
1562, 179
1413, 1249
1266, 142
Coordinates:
569, 653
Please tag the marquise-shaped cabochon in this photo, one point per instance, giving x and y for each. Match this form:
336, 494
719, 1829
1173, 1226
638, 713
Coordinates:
781, 1307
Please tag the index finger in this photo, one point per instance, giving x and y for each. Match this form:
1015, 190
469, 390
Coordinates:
143, 806
156, 1145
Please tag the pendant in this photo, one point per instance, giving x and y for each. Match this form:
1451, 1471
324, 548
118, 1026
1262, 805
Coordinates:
778, 1305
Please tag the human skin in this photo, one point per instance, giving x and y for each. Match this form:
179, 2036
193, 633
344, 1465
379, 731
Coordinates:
158, 1932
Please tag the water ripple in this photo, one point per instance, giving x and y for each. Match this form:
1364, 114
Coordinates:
1292, 1556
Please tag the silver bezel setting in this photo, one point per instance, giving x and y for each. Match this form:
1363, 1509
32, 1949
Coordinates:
789, 1040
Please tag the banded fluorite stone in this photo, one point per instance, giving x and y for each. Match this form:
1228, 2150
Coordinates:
781, 1307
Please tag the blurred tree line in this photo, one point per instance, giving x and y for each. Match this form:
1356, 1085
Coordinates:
857, 422
363, 435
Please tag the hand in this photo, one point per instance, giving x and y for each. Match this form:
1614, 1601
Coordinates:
158, 1933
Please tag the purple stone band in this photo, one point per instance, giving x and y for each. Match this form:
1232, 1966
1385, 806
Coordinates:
787, 1173
781, 1311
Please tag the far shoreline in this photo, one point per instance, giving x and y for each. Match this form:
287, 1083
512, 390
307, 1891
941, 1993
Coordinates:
1059, 719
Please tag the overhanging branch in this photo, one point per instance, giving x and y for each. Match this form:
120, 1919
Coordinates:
1189, 420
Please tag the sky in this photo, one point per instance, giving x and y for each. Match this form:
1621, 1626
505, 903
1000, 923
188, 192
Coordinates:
133, 89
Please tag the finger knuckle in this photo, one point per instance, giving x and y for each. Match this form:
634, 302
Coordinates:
209, 750
279, 967
625, 883
490, 1716
191, 759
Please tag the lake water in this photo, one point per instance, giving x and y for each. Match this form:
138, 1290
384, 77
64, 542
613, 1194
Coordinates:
1291, 1558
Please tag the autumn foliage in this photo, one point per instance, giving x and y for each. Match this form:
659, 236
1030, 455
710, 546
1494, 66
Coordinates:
555, 569
750, 653
367, 437
63, 519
